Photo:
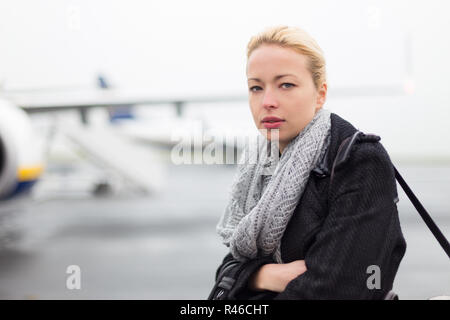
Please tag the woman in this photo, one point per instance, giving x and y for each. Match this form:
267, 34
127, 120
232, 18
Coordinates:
308, 229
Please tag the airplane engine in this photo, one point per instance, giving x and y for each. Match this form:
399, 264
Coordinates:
20, 160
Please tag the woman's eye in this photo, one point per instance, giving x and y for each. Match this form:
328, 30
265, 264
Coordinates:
284, 85
289, 85
254, 87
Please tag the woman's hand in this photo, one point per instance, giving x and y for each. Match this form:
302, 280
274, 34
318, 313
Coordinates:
275, 277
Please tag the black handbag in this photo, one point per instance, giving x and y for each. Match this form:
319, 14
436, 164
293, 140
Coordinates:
225, 280
231, 280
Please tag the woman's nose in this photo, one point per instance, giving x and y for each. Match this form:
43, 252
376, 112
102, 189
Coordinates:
269, 100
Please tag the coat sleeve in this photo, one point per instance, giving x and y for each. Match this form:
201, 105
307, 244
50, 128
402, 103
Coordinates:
360, 241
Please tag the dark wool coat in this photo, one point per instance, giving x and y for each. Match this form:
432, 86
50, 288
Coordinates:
339, 229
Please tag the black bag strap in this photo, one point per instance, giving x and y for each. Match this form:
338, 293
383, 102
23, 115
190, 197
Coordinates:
342, 156
424, 214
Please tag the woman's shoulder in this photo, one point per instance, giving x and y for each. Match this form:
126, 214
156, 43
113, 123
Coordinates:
369, 149
345, 134
348, 144
367, 165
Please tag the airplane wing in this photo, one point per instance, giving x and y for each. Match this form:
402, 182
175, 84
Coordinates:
36, 103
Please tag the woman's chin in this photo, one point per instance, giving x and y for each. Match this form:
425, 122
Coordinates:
274, 138
270, 133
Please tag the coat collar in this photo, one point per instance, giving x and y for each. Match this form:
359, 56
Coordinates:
340, 129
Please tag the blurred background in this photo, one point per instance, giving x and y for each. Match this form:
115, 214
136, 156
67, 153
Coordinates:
97, 99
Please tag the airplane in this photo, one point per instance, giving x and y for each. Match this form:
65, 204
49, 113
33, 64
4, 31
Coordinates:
20, 162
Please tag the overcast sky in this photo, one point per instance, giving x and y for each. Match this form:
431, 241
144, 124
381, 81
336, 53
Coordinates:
199, 46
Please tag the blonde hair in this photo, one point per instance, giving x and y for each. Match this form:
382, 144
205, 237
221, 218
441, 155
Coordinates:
298, 40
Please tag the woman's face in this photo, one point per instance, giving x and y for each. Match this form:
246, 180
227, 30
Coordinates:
280, 85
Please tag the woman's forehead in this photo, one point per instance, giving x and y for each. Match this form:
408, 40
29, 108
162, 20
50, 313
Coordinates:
274, 60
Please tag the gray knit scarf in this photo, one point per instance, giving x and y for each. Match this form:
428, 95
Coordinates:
262, 201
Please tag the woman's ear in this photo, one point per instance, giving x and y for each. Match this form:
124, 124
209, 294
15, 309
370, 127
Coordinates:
321, 95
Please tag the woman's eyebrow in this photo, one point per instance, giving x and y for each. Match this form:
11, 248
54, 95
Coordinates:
275, 78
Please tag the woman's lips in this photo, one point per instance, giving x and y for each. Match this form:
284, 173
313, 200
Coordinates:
273, 125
